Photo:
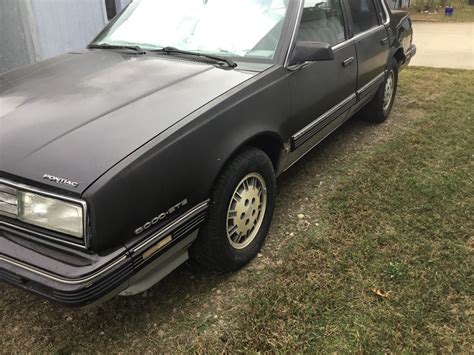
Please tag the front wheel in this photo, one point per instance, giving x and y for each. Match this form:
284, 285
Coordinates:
240, 213
381, 105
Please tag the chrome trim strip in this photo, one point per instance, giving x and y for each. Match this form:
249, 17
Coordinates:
335, 108
85, 241
61, 279
199, 208
295, 31
348, 41
368, 32
370, 83
403, 19
169, 228
313, 146
387, 13
410, 52
357, 37
323, 117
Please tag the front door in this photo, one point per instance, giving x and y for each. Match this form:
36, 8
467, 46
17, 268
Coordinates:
322, 92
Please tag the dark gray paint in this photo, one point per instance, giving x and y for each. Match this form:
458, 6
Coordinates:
79, 102
141, 134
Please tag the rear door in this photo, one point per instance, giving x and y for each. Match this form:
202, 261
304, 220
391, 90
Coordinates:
322, 92
372, 45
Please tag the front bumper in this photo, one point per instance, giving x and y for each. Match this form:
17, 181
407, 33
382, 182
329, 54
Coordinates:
77, 279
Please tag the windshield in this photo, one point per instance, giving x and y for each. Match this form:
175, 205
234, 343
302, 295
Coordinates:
244, 28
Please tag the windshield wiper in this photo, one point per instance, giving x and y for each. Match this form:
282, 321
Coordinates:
173, 50
137, 49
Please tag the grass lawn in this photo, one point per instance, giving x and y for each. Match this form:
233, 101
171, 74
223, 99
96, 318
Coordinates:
382, 260
463, 12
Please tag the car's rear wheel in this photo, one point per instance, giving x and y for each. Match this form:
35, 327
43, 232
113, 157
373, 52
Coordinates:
381, 105
240, 213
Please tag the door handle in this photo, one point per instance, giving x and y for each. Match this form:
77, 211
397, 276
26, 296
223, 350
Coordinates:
348, 61
384, 41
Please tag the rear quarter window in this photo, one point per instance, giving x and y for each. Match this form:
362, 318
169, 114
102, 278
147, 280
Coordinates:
364, 15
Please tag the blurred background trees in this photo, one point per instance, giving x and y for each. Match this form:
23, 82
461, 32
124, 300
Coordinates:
426, 5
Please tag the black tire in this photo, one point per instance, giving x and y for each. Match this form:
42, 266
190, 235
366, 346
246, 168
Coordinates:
213, 247
377, 110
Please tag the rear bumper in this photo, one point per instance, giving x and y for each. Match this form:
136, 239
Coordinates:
77, 279
410, 53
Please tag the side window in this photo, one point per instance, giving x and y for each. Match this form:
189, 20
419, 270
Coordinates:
322, 21
364, 15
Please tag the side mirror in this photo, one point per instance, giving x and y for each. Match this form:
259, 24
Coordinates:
311, 52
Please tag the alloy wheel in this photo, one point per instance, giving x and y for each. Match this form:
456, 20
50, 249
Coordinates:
389, 90
246, 211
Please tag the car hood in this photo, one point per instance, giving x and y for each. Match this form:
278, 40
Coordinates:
76, 116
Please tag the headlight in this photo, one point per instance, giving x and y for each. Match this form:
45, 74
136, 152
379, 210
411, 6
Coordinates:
63, 216
57, 215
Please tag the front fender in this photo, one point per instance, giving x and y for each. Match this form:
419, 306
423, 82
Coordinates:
183, 162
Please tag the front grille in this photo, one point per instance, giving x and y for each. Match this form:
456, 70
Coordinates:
8, 201
16, 229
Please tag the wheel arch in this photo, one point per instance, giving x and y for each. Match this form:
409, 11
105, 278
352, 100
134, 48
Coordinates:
399, 55
269, 142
